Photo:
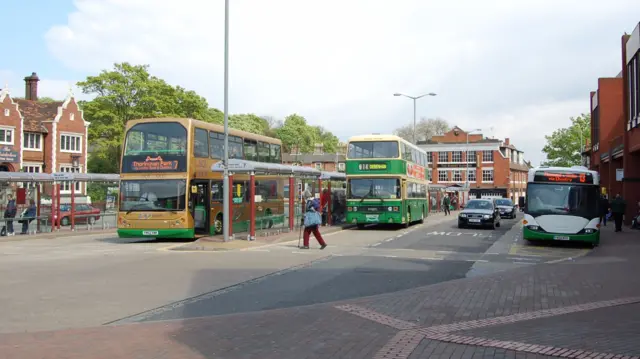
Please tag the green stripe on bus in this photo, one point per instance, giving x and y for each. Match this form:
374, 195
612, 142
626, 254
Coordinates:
536, 236
161, 233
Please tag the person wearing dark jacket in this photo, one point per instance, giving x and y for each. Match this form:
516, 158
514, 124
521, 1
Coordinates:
618, 206
9, 215
604, 209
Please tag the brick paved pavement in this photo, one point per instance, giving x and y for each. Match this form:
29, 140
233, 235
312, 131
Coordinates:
574, 309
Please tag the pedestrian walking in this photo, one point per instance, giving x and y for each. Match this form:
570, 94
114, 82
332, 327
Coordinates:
312, 221
446, 203
618, 206
604, 209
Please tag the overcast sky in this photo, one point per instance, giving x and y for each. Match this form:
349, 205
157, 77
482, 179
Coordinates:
519, 67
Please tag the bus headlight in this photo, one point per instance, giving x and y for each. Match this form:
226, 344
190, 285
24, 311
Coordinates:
589, 230
349, 209
533, 228
390, 209
355, 209
396, 209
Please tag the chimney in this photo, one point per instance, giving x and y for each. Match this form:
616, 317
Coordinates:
506, 142
31, 87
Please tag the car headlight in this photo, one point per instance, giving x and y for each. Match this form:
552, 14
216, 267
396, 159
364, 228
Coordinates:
509, 209
462, 215
486, 216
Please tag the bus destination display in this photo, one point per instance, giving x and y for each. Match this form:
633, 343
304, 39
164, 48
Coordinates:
563, 177
372, 166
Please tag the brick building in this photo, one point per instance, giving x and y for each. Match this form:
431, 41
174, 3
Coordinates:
43, 137
495, 168
318, 159
615, 134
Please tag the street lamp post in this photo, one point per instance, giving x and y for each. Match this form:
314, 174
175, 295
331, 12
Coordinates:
226, 201
414, 98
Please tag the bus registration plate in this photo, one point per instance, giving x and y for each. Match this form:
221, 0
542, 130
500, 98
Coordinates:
372, 217
149, 233
561, 238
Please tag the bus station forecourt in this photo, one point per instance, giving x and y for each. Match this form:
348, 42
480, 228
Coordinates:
392, 287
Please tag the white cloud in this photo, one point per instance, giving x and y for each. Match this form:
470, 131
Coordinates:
522, 67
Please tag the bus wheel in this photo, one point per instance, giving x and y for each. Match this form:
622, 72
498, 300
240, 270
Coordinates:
217, 224
406, 225
422, 216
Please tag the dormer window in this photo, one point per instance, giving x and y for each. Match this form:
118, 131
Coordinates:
72, 117
7, 112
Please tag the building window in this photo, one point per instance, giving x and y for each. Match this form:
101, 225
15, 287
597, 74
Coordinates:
429, 157
443, 157
471, 175
72, 116
341, 166
318, 166
443, 176
7, 112
33, 141
487, 156
457, 176
66, 186
487, 175
456, 156
6, 136
470, 156
71, 143
31, 168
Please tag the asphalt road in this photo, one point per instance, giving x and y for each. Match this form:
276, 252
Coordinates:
423, 256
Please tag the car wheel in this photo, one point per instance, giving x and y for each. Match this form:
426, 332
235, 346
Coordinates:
64, 221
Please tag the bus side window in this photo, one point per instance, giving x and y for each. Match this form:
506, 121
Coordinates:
201, 143
216, 191
250, 150
275, 155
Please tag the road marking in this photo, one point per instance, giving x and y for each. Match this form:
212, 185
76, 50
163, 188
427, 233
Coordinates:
433, 258
376, 244
389, 256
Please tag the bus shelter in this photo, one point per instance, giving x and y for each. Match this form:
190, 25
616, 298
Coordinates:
35, 181
336, 197
253, 168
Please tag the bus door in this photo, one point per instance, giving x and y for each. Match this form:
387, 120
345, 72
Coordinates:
199, 205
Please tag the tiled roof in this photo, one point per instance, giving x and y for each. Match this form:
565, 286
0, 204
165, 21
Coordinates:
312, 158
432, 142
35, 112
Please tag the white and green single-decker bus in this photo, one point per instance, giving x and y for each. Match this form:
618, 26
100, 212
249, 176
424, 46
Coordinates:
562, 204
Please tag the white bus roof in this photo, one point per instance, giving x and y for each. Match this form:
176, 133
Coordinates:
379, 137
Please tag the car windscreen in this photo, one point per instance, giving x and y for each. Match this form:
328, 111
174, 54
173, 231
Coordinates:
479, 205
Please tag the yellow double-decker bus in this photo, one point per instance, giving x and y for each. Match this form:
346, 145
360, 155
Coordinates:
167, 188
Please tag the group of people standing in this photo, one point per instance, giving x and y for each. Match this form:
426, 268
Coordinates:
614, 208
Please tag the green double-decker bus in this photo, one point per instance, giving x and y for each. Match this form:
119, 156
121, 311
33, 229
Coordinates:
387, 182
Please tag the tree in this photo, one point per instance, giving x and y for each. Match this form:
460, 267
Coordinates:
250, 123
295, 133
128, 92
564, 146
425, 129
329, 140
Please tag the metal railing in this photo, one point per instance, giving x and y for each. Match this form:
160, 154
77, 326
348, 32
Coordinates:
42, 224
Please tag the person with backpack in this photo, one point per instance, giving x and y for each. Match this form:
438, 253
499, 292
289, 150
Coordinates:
312, 220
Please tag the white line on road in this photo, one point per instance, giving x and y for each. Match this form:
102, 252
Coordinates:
433, 258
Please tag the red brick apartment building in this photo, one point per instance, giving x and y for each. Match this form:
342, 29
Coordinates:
615, 134
495, 168
42, 137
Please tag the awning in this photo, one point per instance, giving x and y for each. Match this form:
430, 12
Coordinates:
58, 176
333, 176
244, 166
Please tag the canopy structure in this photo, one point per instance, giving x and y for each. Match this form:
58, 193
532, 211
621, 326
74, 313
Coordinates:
333, 176
244, 166
58, 177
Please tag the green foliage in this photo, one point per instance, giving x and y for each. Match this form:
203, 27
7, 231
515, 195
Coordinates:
97, 192
564, 146
425, 129
128, 92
